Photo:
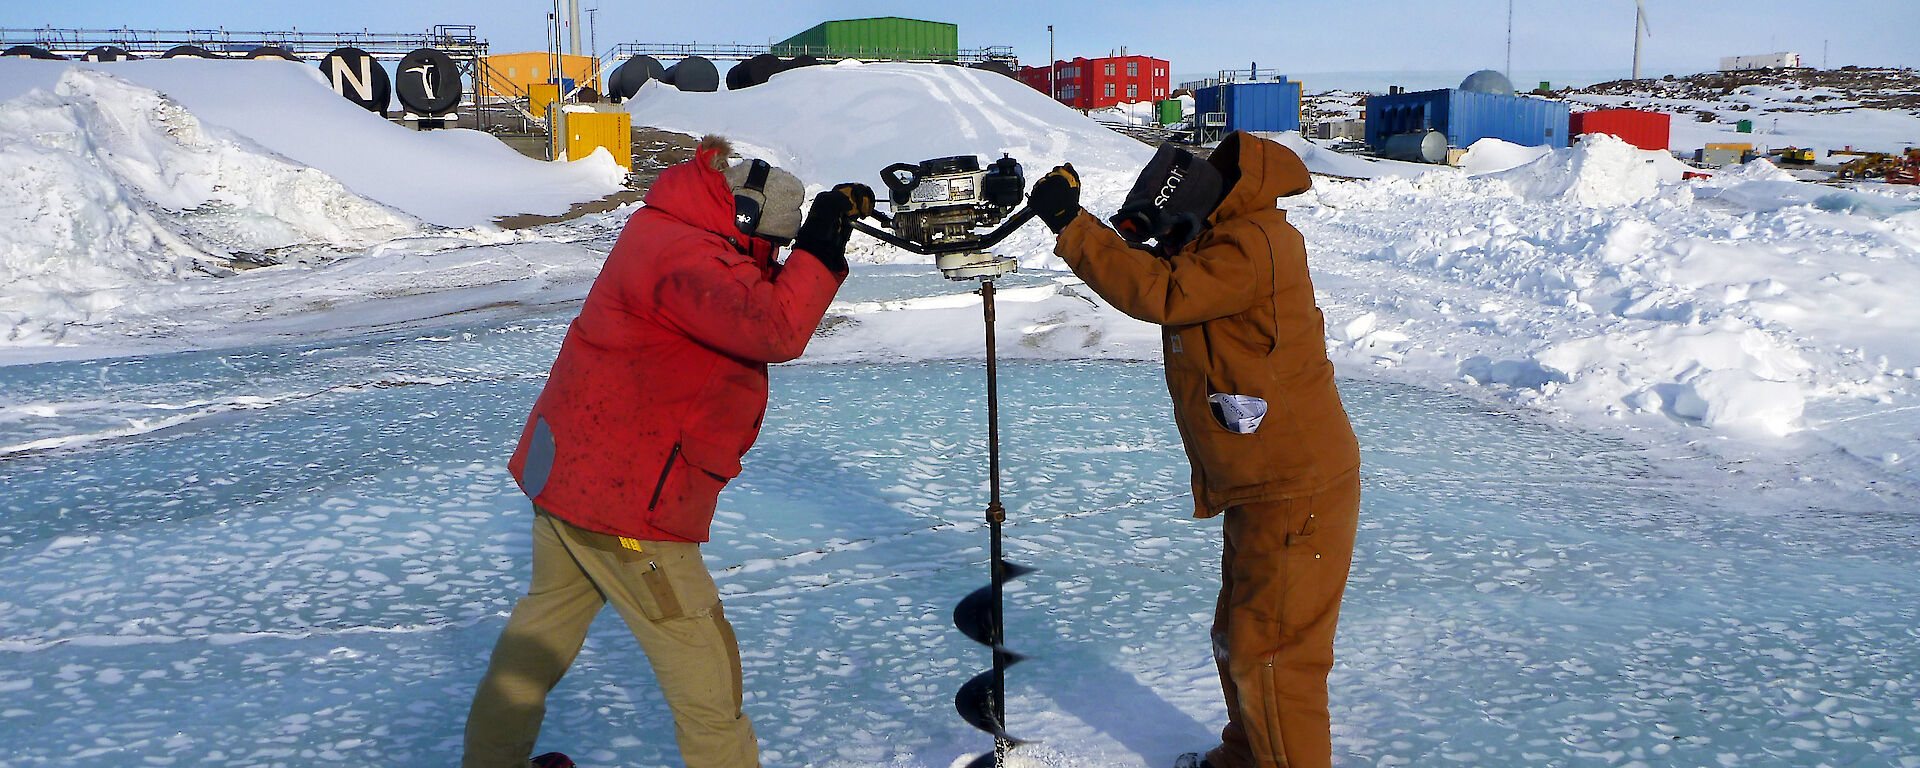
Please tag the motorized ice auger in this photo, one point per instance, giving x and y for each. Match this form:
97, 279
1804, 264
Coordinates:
937, 209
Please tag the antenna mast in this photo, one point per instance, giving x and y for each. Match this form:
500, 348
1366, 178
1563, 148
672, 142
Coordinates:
1509, 71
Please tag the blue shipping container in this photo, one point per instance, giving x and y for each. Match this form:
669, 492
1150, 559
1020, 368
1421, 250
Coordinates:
1252, 106
1466, 117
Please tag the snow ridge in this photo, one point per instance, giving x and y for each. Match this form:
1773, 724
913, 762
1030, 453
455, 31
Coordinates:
120, 186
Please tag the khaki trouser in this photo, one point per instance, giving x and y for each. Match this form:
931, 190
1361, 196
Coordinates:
667, 598
1284, 567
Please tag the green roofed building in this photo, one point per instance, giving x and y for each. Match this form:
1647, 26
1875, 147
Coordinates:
887, 37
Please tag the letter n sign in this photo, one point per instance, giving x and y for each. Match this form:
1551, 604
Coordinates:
355, 74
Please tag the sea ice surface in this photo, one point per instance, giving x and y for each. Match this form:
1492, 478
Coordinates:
306, 558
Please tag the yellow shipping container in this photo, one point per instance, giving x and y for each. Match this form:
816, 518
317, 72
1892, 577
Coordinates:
540, 96
510, 74
581, 131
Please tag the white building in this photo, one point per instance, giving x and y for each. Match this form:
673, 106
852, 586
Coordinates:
1763, 61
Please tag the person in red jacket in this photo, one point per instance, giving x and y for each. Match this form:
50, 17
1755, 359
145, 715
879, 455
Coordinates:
657, 392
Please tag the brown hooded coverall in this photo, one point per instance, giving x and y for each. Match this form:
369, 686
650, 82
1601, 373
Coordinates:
1238, 316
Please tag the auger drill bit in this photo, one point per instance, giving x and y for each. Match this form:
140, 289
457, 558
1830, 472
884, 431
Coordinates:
982, 701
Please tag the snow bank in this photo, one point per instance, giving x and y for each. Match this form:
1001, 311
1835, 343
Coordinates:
1600, 170
456, 178
1328, 162
845, 122
110, 186
1594, 281
1146, 113
1495, 155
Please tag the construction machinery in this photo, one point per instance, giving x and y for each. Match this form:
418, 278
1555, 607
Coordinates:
1902, 168
1794, 155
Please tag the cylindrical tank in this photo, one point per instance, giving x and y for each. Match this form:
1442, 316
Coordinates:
694, 74
273, 52
996, 66
428, 82
30, 52
356, 75
1417, 147
802, 60
760, 69
188, 51
737, 77
629, 76
107, 53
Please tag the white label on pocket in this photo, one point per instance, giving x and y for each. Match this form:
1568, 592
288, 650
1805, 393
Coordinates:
1238, 413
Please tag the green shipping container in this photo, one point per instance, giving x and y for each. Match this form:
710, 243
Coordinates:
887, 37
1171, 112
1744, 126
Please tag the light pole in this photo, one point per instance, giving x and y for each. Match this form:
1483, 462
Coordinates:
1053, 69
593, 48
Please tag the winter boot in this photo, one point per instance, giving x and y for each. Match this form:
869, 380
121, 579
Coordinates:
550, 760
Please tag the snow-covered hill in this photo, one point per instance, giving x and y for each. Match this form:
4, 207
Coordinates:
1867, 109
456, 178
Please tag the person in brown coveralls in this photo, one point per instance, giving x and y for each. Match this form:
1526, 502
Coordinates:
1255, 403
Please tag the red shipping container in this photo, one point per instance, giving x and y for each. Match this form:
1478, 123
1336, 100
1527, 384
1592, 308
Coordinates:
1646, 130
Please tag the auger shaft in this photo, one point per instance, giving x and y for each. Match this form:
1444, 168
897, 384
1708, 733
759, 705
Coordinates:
996, 514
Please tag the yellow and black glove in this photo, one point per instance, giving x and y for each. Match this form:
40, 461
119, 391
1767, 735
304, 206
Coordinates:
862, 197
828, 224
1056, 197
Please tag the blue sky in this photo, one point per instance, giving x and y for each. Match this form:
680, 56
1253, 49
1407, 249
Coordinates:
1198, 36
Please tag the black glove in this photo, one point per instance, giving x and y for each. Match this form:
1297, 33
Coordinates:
1056, 197
826, 228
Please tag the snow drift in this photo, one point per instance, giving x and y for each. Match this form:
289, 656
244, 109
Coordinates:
1600, 170
455, 178
845, 122
112, 185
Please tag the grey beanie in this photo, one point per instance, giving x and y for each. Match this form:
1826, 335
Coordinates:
779, 201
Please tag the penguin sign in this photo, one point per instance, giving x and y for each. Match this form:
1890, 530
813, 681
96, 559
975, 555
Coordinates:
428, 82
354, 73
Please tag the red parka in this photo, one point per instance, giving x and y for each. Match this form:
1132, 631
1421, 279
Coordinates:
661, 381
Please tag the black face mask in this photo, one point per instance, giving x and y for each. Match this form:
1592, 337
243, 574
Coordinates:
1171, 200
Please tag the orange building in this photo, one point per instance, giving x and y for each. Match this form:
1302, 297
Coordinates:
509, 74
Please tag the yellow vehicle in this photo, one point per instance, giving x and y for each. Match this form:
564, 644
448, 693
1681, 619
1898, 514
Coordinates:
1903, 168
1795, 155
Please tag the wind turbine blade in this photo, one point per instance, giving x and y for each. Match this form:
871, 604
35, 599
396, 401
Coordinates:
1644, 24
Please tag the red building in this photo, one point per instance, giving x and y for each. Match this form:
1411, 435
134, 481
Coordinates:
1096, 83
1646, 130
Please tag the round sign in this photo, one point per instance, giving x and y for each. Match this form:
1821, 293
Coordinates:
428, 82
354, 73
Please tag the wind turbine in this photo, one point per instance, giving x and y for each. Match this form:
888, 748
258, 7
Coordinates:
1639, 23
